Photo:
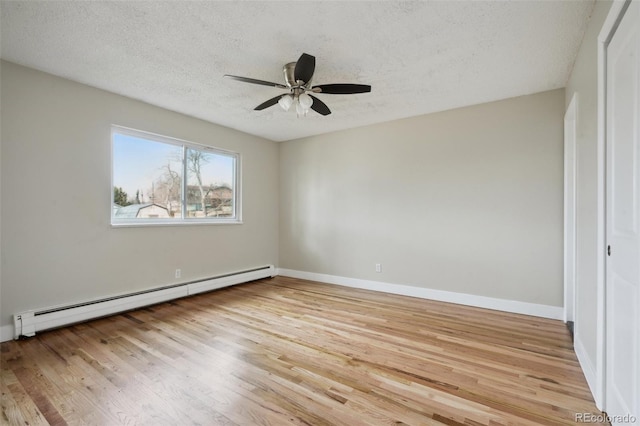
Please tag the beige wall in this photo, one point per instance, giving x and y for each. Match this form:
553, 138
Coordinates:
57, 244
468, 201
584, 82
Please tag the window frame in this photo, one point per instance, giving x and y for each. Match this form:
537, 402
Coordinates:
184, 219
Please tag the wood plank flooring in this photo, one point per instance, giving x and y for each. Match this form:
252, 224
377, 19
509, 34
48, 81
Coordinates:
285, 351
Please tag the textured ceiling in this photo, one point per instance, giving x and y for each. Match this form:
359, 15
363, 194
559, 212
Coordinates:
419, 57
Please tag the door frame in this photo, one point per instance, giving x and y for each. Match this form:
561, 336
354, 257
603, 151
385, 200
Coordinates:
570, 205
618, 7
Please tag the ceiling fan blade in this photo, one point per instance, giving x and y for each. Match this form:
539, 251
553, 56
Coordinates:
342, 89
269, 103
254, 81
319, 106
305, 67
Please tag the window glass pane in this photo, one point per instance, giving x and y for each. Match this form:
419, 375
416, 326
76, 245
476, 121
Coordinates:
210, 184
147, 178
161, 180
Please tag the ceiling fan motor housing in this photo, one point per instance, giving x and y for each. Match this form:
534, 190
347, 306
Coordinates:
289, 77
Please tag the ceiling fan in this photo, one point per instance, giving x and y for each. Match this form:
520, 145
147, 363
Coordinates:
297, 77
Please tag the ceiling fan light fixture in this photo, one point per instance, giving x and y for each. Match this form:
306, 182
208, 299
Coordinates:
300, 110
305, 101
285, 102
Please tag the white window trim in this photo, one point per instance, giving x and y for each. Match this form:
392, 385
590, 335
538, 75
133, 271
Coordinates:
183, 221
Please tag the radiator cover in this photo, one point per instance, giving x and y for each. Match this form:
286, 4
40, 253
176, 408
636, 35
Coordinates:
27, 324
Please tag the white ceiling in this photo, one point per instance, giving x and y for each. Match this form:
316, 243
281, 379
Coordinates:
419, 57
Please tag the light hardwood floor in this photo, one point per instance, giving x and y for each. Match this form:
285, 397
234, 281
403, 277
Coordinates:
286, 351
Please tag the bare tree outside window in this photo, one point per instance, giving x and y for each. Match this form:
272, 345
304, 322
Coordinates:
208, 189
167, 189
195, 161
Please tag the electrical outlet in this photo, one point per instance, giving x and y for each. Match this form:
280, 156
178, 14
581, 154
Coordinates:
378, 267
178, 273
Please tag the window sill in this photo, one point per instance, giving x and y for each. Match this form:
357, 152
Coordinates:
147, 223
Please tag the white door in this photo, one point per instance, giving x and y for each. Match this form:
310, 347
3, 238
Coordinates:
623, 219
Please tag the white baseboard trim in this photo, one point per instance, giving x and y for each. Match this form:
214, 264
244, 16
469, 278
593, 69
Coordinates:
588, 368
513, 306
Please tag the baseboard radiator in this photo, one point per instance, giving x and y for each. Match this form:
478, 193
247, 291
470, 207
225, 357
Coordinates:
27, 324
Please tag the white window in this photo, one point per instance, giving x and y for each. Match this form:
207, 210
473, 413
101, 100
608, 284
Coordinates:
159, 180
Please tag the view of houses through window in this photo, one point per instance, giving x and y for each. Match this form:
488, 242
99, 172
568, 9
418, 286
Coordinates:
158, 179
